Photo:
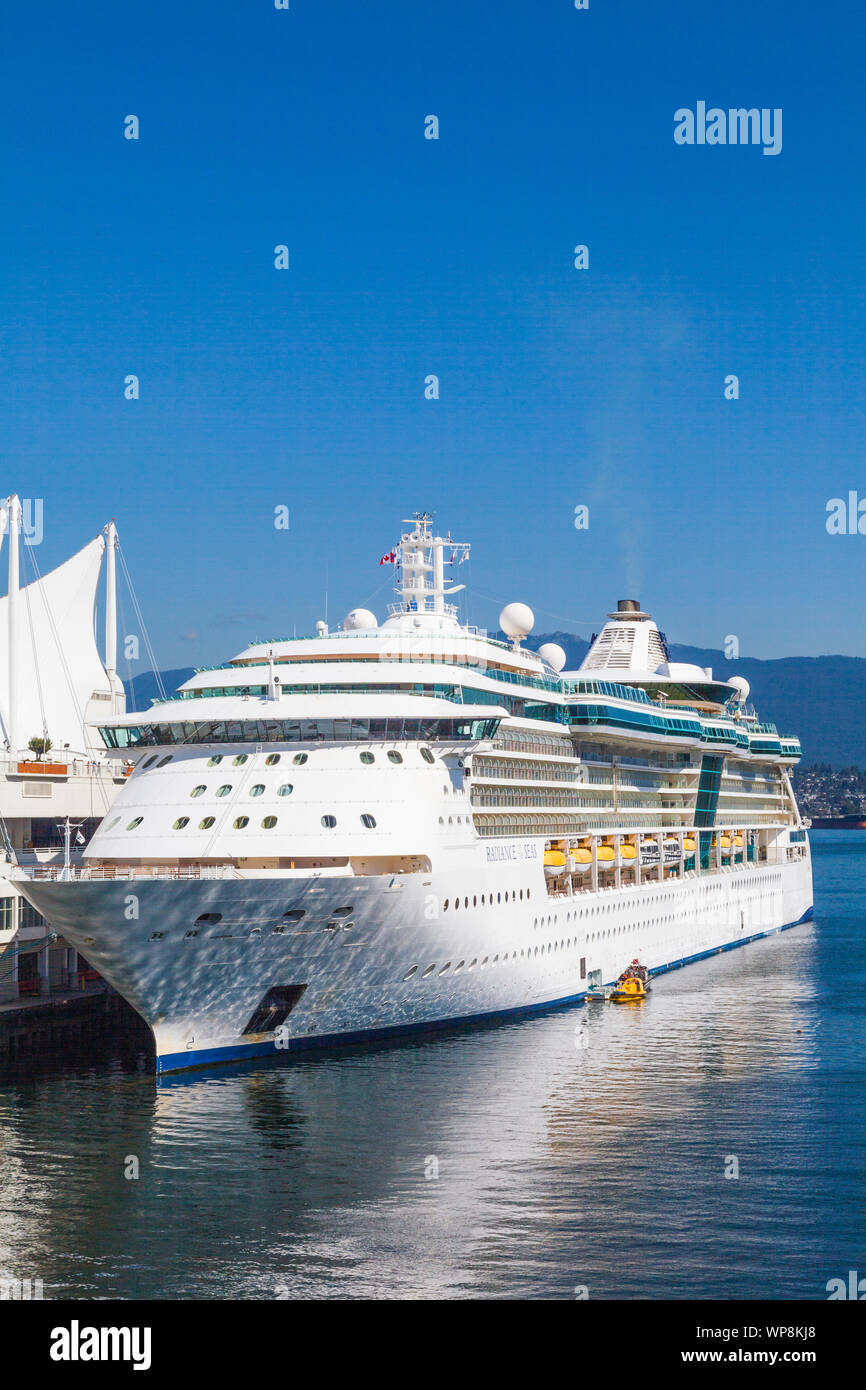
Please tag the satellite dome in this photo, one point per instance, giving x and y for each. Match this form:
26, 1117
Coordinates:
553, 654
742, 687
359, 620
516, 620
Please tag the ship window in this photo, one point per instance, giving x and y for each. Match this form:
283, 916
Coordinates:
190, 933
181, 822
217, 758
394, 756
257, 789
269, 822
294, 914
224, 790
368, 758
368, 820
410, 972
206, 823
285, 789
242, 822
156, 936
300, 758
445, 906
151, 759
209, 917
329, 822
428, 971
456, 904
133, 823
240, 760
342, 912
167, 759
427, 755
272, 759
113, 823
446, 967
199, 790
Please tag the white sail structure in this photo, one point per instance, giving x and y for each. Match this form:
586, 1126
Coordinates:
53, 682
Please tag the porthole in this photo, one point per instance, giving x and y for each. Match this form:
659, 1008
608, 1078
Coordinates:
456, 904
521, 895
285, 790
459, 966
445, 905
217, 758
472, 964
150, 761
133, 823
428, 971
441, 820
269, 822
241, 823
410, 972
474, 901
206, 823
181, 822
199, 790
368, 820
167, 759
446, 967
113, 823
239, 759
329, 822
427, 755
300, 758
272, 759
224, 790
499, 897
257, 789
394, 756
367, 758
465, 902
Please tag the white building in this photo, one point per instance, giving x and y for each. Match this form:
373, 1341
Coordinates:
54, 688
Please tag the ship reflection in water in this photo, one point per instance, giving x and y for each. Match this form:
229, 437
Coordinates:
585, 1148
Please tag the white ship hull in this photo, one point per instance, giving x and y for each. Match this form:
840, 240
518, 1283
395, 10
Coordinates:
199, 992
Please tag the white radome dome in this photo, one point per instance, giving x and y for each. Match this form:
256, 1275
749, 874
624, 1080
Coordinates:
359, 620
516, 620
553, 654
742, 687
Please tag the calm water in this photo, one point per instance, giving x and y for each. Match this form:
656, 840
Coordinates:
587, 1147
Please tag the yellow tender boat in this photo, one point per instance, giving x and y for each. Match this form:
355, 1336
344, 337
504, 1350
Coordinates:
628, 991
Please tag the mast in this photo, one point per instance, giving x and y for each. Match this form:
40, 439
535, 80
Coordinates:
14, 514
421, 576
110, 603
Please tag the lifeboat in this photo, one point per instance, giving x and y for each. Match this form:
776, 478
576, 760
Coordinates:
628, 991
739, 841
627, 853
605, 855
689, 845
581, 859
554, 863
726, 842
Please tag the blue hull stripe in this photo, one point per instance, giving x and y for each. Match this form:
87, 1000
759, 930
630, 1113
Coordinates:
212, 1056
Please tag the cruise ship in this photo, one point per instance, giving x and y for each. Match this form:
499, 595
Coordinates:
407, 824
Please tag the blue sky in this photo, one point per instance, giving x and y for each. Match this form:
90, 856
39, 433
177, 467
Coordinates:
409, 257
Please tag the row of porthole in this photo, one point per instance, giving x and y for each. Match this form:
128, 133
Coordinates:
499, 899
273, 758
294, 915
257, 790
548, 950
242, 822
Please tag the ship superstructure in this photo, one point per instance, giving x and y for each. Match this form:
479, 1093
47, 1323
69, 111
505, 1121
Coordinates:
410, 823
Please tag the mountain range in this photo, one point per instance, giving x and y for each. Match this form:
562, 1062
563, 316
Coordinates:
821, 699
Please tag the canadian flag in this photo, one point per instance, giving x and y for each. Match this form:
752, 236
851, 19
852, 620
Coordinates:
389, 559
